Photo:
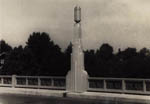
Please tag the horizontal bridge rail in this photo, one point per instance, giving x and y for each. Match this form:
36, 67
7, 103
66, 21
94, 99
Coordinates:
118, 85
33, 82
121, 85
5, 80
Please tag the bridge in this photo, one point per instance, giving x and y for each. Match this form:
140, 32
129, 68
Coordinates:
108, 89
77, 83
95, 84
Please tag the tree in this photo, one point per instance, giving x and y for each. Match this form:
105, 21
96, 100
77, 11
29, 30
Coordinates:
90, 62
105, 52
144, 52
4, 47
40, 56
128, 53
67, 58
68, 50
48, 56
13, 62
104, 64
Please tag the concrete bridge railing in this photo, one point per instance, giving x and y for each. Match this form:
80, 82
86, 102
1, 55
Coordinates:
118, 85
33, 82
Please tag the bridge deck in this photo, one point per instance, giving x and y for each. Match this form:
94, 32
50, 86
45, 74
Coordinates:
143, 99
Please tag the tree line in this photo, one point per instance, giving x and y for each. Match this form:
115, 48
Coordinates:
41, 56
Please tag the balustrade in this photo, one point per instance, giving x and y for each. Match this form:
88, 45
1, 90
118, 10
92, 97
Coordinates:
121, 85
33, 82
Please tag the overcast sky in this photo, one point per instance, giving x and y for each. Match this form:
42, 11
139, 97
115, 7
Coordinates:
121, 23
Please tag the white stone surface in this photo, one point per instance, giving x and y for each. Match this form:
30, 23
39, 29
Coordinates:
77, 77
112, 97
86, 95
37, 92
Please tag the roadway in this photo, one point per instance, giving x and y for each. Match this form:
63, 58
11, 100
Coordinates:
68, 97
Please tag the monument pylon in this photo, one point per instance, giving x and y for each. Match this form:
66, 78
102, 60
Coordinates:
77, 77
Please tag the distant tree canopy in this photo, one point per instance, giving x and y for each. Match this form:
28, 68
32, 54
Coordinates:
67, 57
127, 64
47, 55
4, 47
105, 52
41, 56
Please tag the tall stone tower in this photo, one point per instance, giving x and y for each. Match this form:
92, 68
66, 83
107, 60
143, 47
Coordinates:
77, 77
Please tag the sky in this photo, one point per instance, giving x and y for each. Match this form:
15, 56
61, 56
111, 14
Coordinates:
121, 23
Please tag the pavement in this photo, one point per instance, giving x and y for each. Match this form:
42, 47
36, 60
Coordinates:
117, 97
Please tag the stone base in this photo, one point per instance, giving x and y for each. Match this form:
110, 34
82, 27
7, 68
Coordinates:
77, 82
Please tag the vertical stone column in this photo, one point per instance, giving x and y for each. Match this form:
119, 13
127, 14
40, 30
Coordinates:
14, 81
77, 77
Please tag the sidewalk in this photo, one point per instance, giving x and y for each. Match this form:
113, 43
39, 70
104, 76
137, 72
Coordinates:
144, 99
38, 92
